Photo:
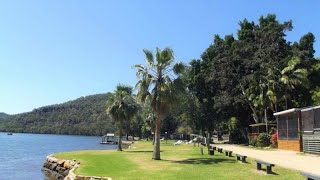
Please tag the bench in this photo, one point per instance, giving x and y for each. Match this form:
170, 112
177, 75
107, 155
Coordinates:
268, 165
220, 150
228, 153
213, 148
211, 152
241, 157
310, 176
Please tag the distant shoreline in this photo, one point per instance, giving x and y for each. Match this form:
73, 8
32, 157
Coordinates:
46, 134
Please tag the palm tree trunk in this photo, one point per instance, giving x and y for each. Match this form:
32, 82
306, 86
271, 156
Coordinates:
156, 147
119, 139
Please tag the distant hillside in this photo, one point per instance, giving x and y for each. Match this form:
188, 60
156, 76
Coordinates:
3, 115
83, 116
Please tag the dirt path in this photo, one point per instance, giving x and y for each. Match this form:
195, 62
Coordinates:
288, 159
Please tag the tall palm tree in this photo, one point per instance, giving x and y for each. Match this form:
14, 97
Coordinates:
274, 89
292, 75
159, 82
121, 107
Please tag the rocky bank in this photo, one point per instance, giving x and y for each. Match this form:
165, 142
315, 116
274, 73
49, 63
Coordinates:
63, 169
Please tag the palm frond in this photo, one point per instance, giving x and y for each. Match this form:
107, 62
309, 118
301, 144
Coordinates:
149, 57
179, 68
157, 83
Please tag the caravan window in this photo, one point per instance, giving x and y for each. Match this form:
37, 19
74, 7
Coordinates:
282, 127
293, 126
308, 118
288, 126
317, 118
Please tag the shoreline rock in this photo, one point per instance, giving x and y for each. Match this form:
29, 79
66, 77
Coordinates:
63, 169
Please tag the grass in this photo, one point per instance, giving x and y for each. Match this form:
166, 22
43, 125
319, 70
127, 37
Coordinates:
178, 162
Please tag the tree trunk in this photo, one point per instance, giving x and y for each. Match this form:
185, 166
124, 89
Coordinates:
119, 140
140, 132
153, 138
208, 141
244, 134
127, 134
156, 147
266, 119
254, 115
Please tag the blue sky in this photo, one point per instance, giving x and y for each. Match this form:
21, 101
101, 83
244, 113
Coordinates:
55, 51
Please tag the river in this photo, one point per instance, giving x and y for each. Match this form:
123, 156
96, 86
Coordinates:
22, 155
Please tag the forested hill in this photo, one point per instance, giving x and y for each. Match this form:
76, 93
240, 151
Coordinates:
83, 116
3, 115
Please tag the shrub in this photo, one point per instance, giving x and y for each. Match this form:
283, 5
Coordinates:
274, 139
253, 142
235, 129
263, 140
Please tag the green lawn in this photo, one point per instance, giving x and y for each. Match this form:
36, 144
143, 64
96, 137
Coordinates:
178, 162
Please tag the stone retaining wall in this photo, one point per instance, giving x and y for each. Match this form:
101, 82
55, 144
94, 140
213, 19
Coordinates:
64, 169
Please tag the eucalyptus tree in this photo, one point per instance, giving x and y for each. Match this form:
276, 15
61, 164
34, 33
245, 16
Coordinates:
121, 107
159, 82
268, 55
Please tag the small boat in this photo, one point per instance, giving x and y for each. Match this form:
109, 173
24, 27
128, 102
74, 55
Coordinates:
9, 134
105, 142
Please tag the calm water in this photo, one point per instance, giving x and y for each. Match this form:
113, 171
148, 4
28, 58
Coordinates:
22, 155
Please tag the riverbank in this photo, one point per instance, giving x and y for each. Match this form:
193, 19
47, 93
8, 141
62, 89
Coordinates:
60, 169
23, 155
178, 162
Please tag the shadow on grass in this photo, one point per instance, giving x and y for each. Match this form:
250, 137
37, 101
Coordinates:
204, 161
246, 162
265, 171
140, 151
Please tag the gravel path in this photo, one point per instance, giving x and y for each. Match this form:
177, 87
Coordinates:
287, 159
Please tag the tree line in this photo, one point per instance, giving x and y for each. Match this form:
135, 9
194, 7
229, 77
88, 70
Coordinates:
253, 75
238, 80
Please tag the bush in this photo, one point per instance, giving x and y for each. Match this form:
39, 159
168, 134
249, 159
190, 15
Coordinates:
274, 139
253, 142
263, 140
235, 135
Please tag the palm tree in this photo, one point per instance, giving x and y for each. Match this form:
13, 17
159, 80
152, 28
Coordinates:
159, 82
257, 95
273, 86
121, 107
292, 75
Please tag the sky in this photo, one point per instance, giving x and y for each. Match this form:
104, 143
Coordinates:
55, 51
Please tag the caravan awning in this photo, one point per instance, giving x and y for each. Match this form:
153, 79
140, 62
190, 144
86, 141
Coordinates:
287, 111
310, 108
263, 124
